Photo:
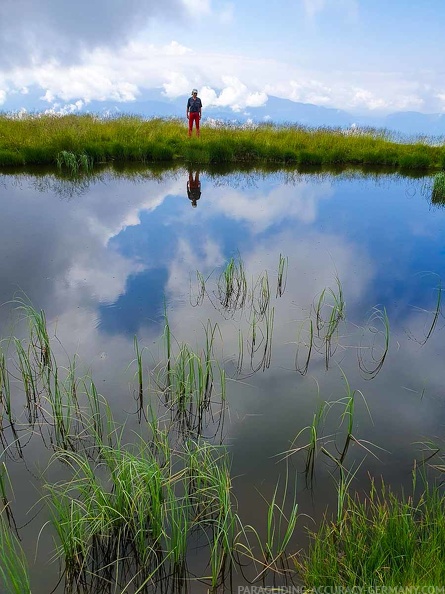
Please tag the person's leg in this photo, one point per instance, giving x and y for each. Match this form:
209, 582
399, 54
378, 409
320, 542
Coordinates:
194, 117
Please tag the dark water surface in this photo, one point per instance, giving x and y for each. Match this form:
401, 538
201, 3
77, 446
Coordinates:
104, 258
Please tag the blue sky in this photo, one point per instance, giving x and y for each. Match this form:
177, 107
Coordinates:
358, 55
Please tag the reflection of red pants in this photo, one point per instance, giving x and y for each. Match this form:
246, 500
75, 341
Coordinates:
194, 117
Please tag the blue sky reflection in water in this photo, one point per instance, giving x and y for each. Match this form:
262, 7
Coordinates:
103, 263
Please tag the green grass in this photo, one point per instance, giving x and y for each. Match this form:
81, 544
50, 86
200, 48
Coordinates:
380, 540
130, 515
438, 193
14, 575
77, 143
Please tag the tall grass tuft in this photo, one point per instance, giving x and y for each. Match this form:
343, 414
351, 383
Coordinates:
379, 540
14, 574
232, 285
438, 193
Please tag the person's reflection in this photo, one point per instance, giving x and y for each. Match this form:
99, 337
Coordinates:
194, 187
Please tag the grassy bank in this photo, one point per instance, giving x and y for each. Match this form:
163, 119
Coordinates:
78, 142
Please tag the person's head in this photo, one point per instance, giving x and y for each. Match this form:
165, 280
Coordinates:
195, 92
194, 203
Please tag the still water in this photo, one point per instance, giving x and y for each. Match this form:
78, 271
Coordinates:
107, 258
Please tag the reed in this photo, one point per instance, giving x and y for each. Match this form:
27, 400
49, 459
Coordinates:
39, 339
74, 164
261, 295
283, 266
329, 312
5, 391
193, 384
232, 285
280, 526
436, 313
371, 357
438, 192
379, 540
201, 281
311, 445
14, 574
303, 367
30, 381
260, 343
5, 499
140, 379
130, 517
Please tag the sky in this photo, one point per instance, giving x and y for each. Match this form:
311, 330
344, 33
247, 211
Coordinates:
358, 55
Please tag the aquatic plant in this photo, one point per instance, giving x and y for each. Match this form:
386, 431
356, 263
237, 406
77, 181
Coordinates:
131, 516
371, 357
74, 163
232, 285
435, 313
438, 192
380, 539
302, 368
14, 573
283, 266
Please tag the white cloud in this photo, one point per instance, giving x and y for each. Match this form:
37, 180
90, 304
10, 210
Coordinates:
310, 91
198, 9
31, 31
441, 97
349, 8
235, 94
223, 80
177, 84
313, 7
66, 109
364, 98
227, 14
299, 202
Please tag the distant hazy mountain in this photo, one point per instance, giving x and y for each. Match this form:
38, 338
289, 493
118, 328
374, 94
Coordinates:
276, 110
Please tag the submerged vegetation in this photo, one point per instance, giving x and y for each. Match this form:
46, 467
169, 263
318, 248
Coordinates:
131, 506
78, 142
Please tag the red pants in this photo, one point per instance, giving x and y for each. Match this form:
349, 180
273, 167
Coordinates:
194, 117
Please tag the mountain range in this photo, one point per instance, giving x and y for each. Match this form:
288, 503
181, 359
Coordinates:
276, 110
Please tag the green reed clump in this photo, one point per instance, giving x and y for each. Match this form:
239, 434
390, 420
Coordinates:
329, 312
77, 142
232, 285
131, 515
380, 540
280, 528
438, 193
14, 574
190, 379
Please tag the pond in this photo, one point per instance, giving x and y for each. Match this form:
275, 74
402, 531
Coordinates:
309, 302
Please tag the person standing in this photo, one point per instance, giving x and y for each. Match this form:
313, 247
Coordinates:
194, 107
